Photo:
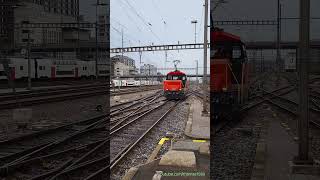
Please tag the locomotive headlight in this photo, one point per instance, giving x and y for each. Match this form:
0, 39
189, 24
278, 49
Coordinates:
224, 89
167, 89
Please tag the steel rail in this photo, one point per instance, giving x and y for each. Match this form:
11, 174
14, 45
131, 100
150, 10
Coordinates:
115, 162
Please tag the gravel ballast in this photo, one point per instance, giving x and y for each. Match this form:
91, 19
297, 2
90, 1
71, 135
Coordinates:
174, 123
234, 147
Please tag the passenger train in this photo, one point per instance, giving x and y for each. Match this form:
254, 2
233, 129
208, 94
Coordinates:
133, 83
52, 69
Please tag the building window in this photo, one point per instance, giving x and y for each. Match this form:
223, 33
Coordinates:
21, 68
25, 22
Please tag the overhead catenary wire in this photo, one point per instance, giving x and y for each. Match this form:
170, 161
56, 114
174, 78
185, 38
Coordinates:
127, 36
131, 18
147, 24
158, 9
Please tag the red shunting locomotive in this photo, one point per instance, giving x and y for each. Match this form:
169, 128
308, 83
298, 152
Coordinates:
175, 85
228, 75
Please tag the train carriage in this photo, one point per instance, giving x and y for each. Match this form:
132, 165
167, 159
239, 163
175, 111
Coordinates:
45, 68
85, 69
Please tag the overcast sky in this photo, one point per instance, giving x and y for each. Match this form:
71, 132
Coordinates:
168, 21
159, 22
266, 9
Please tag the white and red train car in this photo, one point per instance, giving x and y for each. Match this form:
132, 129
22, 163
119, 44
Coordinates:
52, 69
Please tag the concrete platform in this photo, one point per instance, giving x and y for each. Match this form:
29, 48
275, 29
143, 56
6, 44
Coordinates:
198, 126
274, 153
186, 160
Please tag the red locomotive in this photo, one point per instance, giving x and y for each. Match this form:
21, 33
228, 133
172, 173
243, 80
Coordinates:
228, 75
175, 86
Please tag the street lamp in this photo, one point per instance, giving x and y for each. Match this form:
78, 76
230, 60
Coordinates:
195, 30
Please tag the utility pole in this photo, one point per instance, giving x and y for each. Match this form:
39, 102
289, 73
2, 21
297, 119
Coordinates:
303, 124
97, 71
78, 21
254, 61
122, 44
205, 108
278, 42
197, 72
195, 30
166, 60
140, 54
29, 63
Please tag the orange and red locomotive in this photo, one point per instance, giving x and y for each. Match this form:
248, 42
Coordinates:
175, 86
228, 75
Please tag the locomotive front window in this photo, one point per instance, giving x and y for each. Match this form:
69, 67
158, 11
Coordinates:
171, 77
236, 53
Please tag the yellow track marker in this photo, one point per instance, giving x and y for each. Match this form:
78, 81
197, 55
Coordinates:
163, 140
199, 141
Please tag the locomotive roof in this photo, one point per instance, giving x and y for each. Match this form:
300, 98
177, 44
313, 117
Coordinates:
176, 73
221, 36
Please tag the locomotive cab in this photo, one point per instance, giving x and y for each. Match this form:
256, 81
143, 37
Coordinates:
175, 85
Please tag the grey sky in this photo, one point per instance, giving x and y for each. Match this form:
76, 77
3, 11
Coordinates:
267, 9
134, 16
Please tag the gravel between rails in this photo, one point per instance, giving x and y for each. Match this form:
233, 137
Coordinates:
233, 149
51, 115
174, 122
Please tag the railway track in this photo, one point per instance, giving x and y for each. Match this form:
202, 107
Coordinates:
13, 149
127, 134
77, 150
66, 151
292, 107
255, 101
21, 99
260, 98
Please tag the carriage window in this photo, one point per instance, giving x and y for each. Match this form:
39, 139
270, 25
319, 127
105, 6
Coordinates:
64, 72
